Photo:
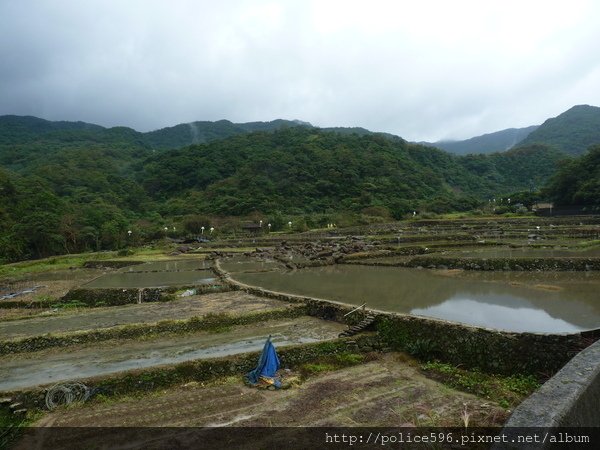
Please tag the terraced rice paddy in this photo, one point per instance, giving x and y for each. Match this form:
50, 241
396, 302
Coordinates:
49, 366
383, 388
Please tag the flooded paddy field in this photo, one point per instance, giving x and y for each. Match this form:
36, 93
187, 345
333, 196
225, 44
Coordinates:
150, 274
151, 279
241, 264
174, 265
548, 302
48, 285
496, 251
386, 391
82, 319
25, 370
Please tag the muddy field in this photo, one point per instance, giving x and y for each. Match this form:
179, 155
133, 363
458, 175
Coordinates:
389, 391
51, 285
48, 366
70, 320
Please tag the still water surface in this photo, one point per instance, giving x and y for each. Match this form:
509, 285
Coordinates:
151, 279
549, 302
171, 265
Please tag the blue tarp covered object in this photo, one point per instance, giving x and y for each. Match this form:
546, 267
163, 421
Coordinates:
268, 365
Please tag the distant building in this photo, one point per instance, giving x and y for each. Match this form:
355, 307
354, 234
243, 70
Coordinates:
542, 206
252, 228
548, 209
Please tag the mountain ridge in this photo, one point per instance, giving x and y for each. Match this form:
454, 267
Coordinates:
573, 131
81, 189
497, 141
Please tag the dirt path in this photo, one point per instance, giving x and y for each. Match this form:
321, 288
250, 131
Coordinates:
26, 370
389, 391
94, 318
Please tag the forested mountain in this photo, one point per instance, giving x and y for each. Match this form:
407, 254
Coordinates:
15, 129
572, 132
303, 169
310, 170
487, 143
18, 130
524, 168
202, 132
577, 182
73, 187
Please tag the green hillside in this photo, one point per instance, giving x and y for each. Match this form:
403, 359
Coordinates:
522, 168
571, 132
577, 183
15, 129
304, 169
82, 187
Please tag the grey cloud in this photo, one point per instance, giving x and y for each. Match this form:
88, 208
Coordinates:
422, 72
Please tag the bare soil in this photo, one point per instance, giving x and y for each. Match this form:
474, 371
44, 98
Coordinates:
80, 319
389, 391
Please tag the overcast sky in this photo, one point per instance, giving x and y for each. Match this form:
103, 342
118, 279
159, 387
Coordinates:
423, 70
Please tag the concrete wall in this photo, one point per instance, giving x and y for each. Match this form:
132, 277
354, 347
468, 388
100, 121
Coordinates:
571, 398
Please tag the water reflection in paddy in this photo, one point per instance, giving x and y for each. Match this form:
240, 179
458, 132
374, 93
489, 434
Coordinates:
555, 302
235, 265
151, 279
168, 266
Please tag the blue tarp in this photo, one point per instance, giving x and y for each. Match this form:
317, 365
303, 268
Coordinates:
268, 364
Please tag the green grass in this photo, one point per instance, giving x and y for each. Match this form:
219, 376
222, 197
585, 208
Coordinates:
19, 269
314, 368
588, 244
53, 263
71, 304
507, 391
11, 426
331, 363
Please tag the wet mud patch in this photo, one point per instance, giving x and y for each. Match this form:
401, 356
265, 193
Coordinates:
81, 319
26, 370
50, 285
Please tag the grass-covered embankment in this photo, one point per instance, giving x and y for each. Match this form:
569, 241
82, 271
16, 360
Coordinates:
208, 323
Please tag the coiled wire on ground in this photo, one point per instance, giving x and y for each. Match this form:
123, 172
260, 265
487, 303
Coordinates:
66, 393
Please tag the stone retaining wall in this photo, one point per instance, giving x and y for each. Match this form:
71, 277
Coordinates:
116, 297
489, 350
17, 304
495, 264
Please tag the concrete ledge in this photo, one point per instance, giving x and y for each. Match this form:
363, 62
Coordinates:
569, 399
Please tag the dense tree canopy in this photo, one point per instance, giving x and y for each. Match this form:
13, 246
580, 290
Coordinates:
571, 132
577, 182
67, 187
